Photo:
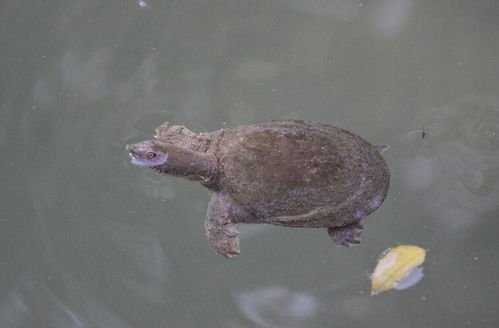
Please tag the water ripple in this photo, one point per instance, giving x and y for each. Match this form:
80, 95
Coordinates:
456, 163
277, 307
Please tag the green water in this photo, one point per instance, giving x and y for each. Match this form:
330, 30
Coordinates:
89, 240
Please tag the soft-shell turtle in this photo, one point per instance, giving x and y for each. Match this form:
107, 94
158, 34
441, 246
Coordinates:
289, 173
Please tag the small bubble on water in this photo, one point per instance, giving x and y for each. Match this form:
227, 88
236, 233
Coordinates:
143, 4
490, 134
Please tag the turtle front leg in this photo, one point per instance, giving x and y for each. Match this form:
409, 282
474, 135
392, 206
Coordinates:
347, 235
220, 225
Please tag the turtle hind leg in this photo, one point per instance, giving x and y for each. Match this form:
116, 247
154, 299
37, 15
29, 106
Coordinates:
347, 235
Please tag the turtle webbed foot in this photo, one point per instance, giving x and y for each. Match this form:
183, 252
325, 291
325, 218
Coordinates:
348, 235
224, 239
222, 232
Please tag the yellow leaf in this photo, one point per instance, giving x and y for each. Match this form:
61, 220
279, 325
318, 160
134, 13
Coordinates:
394, 265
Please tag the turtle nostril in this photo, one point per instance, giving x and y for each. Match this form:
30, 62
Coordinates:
131, 149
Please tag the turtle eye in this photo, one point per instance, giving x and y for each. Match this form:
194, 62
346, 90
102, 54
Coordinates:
151, 155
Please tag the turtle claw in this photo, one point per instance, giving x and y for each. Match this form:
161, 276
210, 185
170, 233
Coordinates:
347, 236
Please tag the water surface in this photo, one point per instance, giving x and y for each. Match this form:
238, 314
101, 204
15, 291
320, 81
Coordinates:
88, 240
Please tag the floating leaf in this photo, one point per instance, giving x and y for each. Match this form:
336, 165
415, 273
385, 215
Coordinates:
394, 265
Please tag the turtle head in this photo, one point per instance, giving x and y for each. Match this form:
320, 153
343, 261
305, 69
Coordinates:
149, 153
172, 159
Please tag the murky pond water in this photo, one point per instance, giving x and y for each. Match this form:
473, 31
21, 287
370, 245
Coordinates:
89, 240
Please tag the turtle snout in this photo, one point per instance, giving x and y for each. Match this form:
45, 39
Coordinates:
133, 150
130, 148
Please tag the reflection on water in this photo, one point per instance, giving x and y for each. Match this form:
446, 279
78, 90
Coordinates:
256, 71
456, 163
277, 307
388, 16
89, 241
146, 256
32, 304
143, 4
411, 279
86, 77
156, 187
331, 8
13, 309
